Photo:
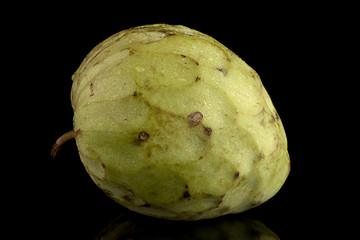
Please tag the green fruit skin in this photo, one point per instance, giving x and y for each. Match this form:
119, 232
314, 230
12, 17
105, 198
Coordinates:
134, 96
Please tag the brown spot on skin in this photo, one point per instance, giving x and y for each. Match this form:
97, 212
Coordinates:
253, 74
191, 59
109, 193
207, 131
254, 204
137, 94
224, 210
143, 136
91, 89
197, 79
219, 202
147, 205
103, 165
273, 119
277, 116
195, 118
223, 71
126, 198
131, 51
170, 34
186, 194
261, 155
201, 157
263, 111
237, 174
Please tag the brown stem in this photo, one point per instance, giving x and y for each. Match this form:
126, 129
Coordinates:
61, 140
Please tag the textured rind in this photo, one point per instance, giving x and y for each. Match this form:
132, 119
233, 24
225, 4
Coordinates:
150, 79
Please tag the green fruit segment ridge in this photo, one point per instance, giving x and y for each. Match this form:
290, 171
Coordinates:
172, 124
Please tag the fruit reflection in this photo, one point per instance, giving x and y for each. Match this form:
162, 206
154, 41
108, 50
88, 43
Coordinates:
136, 227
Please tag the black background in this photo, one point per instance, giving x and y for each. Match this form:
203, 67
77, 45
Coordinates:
286, 45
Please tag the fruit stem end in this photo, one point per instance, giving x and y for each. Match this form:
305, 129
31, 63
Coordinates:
60, 141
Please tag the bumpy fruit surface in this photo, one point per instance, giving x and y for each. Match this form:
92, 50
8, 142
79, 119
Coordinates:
172, 124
